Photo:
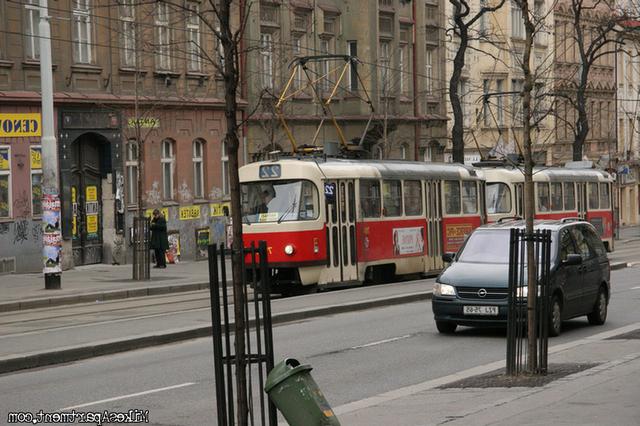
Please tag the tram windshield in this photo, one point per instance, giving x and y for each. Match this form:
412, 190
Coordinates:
279, 201
498, 198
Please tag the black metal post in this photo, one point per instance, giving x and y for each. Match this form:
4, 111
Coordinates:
216, 329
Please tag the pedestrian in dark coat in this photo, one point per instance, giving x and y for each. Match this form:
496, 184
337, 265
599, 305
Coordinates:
159, 239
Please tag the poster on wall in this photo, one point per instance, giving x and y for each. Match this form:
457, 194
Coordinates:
52, 237
173, 254
202, 243
408, 241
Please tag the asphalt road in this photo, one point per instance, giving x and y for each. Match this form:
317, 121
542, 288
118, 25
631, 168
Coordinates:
354, 355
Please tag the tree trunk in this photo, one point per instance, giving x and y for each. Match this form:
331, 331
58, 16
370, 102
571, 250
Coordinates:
582, 126
457, 132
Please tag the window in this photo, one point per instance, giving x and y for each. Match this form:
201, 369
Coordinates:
5, 182
469, 198
605, 201
405, 72
352, 47
556, 196
592, 195
412, 197
330, 24
297, 52
403, 152
581, 243
266, 60
384, 63
543, 197
36, 180
324, 68
279, 200
499, 101
594, 241
392, 198
516, 101
198, 169
131, 164
193, 36
82, 31
128, 33
517, 24
485, 103
32, 31
566, 245
163, 37
385, 25
452, 196
538, 11
224, 165
370, 198
569, 196
483, 19
498, 198
168, 161
429, 70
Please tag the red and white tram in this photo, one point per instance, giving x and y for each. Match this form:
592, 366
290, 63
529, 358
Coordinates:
560, 192
341, 221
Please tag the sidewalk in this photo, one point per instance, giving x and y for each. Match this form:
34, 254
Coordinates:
605, 394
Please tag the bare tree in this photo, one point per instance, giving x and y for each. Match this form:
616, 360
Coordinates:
462, 23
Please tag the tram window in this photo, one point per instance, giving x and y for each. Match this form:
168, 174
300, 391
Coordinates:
592, 192
412, 198
498, 198
391, 198
343, 203
370, 198
605, 202
452, 196
352, 203
569, 196
469, 198
543, 197
279, 200
556, 196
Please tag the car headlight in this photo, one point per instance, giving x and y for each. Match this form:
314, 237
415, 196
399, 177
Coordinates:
289, 249
444, 290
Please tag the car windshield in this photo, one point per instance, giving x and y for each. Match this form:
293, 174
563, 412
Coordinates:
492, 246
279, 200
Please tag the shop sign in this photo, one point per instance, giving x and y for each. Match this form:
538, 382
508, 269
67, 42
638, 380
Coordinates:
92, 225
20, 125
189, 212
217, 209
144, 123
92, 193
164, 211
36, 158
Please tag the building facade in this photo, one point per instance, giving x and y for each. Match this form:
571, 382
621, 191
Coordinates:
129, 79
400, 49
492, 80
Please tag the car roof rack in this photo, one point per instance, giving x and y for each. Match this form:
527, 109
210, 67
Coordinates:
504, 219
570, 219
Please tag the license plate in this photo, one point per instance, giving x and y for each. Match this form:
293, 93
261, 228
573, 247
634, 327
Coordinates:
480, 310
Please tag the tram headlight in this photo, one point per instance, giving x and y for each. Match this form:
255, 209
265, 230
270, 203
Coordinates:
289, 249
443, 290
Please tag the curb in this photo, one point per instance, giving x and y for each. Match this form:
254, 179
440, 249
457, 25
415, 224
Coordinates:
618, 265
48, 302
107, 347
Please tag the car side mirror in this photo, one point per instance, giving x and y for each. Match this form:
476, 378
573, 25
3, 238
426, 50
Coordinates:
573, 259
448, 257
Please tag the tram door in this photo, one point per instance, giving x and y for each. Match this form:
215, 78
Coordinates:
581, 197
341, 225
434, 225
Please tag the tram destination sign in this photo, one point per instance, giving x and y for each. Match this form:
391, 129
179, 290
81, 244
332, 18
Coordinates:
270, 171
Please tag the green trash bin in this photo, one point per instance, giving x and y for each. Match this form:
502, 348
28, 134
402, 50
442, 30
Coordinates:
297, 396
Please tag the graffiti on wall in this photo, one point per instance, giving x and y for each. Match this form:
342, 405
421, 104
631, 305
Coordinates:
185, 193
22, 205
21, 231
154, 197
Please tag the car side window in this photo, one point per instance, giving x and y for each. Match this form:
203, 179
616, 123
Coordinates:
581, 243
566, 245
594, 241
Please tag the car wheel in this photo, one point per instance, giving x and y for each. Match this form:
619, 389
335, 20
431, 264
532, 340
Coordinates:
599, 314
446, 327
555, 317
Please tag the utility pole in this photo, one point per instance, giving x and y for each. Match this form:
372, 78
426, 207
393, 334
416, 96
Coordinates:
51, 223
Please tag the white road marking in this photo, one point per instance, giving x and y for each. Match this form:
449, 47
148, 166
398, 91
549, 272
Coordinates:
380, 342
635, 288
131, 395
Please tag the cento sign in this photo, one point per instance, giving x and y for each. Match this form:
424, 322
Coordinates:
20, 125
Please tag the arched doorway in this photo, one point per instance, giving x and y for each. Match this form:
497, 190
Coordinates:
89, 162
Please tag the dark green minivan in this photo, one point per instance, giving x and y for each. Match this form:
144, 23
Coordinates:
473, 289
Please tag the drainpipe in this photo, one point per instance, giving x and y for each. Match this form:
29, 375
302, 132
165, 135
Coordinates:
416, 110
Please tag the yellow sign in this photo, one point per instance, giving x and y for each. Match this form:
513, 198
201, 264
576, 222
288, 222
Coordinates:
189, 212
217, 209
20, 125
92, 193
4, 159
164, 210
92, 224
144, 123
36, 158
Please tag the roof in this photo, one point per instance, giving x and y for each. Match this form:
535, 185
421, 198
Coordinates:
552, 225
544, 174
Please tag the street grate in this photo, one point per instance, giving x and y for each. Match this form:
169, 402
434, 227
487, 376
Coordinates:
626, 336
498, 378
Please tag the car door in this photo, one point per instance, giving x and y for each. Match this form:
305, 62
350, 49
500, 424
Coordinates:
588, 269
596, 271
568, 277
